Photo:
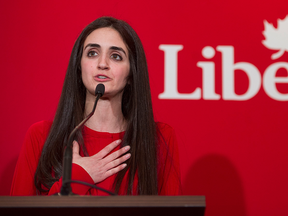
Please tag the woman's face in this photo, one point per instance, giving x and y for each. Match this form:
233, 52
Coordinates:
105, 60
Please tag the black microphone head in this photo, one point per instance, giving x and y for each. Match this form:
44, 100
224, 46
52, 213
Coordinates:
100, 89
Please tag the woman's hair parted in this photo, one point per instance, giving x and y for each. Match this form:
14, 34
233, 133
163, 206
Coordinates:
136, 108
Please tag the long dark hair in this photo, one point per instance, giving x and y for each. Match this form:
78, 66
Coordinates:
136, 107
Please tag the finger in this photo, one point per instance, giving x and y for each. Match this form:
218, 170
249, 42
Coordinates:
118, 161
116, 154
75, 147
115, 170
75, 151
105, 151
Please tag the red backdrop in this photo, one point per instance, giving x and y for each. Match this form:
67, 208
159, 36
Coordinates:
233, 147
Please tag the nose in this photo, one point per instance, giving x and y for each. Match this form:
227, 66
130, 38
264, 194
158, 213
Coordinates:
103, 63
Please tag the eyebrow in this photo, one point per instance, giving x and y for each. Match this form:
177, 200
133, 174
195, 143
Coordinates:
111, 48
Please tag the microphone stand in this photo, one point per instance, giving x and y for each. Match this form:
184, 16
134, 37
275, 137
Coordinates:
67, 158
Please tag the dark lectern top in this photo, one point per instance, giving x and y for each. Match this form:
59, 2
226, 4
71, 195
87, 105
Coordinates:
103, 205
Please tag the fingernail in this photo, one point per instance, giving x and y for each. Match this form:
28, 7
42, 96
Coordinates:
118, 141
127, 148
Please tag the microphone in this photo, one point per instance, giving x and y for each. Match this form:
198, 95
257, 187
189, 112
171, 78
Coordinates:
100, 89
67, 158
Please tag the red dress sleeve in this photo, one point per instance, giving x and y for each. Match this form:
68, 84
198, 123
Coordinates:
23, 179
169, 180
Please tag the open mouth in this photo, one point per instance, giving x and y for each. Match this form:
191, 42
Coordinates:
102, 77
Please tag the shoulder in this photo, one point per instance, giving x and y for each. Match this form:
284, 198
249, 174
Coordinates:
164, 126
166, 133
40, 128
38, 132
165, 129
33, 144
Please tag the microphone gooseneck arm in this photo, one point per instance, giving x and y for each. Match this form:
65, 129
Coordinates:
67, 158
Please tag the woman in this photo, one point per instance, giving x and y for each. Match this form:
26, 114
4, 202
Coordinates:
108, 51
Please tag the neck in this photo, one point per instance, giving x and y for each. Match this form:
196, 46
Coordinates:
108, 116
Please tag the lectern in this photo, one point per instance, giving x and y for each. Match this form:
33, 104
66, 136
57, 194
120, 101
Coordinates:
103, 205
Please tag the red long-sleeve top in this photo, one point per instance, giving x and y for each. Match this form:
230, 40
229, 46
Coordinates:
23, 180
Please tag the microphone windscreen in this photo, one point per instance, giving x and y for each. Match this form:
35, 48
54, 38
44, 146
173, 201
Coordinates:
100, 89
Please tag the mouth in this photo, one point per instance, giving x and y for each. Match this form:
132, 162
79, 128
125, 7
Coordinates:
101, 77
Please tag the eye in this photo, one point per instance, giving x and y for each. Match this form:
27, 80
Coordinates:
116, 57
92, 53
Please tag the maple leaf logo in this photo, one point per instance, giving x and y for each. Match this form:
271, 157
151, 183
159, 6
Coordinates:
276, 38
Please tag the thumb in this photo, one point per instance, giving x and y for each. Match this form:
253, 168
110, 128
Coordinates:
75, 150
